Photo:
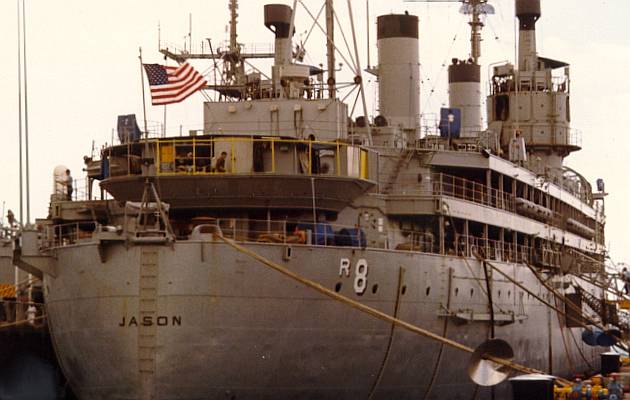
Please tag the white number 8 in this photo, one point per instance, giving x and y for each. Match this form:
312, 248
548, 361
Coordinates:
360, 280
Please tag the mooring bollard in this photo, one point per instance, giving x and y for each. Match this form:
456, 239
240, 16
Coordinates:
611, 363
534, 386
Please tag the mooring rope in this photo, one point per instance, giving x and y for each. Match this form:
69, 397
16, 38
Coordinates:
376, 313
561, 297
557, 295
21, 322
564, 341
520, 285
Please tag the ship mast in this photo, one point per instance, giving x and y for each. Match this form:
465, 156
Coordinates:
233, 24
475, 29
330, 47
464, 76
474, 8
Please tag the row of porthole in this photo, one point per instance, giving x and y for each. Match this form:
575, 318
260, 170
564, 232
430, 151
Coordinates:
403, 291
339, 285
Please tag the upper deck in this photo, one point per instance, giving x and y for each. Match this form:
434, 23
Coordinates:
240, 172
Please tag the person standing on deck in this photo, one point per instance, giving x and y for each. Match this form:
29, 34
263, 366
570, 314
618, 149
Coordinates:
69, 187
220, 165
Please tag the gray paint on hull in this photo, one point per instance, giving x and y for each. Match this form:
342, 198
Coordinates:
251, 333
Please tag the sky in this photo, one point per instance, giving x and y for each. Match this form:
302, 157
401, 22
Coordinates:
83, 70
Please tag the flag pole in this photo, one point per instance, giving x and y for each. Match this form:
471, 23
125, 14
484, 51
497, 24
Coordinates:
26, 142
144, 103
165, 60
21, 150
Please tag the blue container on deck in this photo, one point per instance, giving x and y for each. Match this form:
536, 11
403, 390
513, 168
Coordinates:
592, 337
353, 237
323, 234
450, 122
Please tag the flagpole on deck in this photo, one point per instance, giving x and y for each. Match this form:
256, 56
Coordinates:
144, 103
26, 142
20, 140
164, 122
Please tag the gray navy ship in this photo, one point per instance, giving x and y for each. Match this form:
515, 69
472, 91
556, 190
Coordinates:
461, 230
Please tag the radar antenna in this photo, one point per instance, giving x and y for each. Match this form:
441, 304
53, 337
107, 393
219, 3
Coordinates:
232, 55
474, 8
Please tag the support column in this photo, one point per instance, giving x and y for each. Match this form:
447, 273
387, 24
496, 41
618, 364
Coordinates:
514, 246
441, 223
502, 243
500, 194
489, 186
467, 233
485, 240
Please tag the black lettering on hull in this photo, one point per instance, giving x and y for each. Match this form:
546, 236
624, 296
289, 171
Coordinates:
147, 320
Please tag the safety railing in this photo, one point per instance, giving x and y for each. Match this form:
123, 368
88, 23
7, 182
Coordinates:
9, 232
247, 155
68, 234
78, 191
290, 232
14, 313
560, 83
506, 251
203, 48
327, 234
461, 188
574, 137
453, 186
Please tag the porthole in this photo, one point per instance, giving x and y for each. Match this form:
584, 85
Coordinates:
509, 293
499, 293
428, 290
338, 287
374, 288
403, 290
456, 291
472, 292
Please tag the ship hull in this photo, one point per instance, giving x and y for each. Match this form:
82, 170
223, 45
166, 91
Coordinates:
199, 320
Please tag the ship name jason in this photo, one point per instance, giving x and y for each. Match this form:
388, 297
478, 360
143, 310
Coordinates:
161, 320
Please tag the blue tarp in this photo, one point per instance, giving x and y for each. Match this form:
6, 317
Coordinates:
323, 234
353, 237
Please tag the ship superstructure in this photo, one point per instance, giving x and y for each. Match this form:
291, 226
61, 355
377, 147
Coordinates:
144, 302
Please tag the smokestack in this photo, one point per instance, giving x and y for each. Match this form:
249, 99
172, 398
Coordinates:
464, 91
527, 12
278, 20
399, 69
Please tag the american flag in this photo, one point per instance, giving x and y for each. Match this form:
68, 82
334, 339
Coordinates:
172, 84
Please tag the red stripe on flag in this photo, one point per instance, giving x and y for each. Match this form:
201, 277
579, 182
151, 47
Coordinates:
183, 82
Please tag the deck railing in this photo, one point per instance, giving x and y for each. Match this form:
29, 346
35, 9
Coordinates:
460, 188
453, 186
68, 234
492, 249
326, 234
247, 156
